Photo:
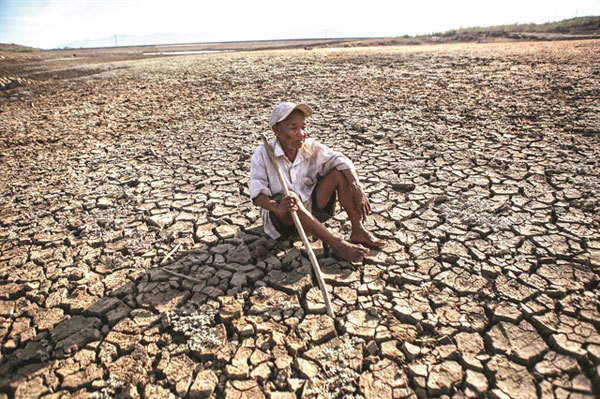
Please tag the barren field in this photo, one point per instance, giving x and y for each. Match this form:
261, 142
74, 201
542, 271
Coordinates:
482, 165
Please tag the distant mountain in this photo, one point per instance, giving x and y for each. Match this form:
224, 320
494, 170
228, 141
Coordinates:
177, 38
136, 40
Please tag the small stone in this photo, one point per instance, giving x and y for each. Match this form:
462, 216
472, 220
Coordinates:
306, 367
179, 371
282, 359
512, 380
519, 341
261, 373
282, 395
291, 282
411, 351
454, 250
361, 324
156, 391
243, 389
204, 233
403, 187
204, 385
129, 391
371, 347
240, 254
390, 349
91, 373
314, 301
226, 231
443, 376
102, 306
477, 381
231, 309
319, 328
383, 380
554, 364
470, 346
238, 279
161, 220
296, 384
104, 203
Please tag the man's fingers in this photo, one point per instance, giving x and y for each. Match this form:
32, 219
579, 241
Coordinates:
293, 195
289, 203
363, 213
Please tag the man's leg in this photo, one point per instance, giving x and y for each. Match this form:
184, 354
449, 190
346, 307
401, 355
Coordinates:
335, 180
311, 225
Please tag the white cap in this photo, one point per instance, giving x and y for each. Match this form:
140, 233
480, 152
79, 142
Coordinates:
282, 111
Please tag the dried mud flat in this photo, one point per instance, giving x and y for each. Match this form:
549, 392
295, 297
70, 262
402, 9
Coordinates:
482, 165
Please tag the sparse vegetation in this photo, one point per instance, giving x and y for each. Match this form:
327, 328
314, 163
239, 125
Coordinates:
337, 380
587, 184
573, 26
197, 326
109, 391
475, 212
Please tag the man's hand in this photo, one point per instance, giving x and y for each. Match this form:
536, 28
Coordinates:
287, 204
361, 202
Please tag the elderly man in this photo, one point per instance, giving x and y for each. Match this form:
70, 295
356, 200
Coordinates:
315, 176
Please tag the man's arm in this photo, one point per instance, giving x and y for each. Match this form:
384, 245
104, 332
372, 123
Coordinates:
285, 205
351, 176
265, 202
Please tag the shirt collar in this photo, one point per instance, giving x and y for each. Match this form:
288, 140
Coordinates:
278, 152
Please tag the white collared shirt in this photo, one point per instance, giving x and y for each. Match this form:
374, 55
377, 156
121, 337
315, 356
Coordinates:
313, 160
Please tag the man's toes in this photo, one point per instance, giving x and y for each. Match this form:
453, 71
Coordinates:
378, 243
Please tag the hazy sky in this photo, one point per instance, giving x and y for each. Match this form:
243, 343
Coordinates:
52, 23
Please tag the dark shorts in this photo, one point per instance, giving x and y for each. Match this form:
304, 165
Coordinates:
321, 214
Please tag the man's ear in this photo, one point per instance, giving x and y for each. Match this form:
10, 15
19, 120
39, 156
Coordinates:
275, 128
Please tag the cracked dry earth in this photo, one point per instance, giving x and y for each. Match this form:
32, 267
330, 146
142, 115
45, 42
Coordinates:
482, 165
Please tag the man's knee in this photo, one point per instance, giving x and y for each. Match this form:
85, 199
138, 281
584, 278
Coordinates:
336, 176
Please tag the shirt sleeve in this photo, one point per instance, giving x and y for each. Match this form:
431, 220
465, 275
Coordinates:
259, 180
330, 159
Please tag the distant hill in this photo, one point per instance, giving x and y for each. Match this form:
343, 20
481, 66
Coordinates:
568, 29
16, 48
573, 26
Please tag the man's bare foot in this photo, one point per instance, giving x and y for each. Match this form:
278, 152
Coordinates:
350, 252
362, 236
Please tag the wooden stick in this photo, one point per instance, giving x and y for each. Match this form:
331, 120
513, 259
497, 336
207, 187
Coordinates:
170, 253
311, 254
182, 276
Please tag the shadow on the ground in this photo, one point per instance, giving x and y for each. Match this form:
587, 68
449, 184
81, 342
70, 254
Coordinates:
83, 350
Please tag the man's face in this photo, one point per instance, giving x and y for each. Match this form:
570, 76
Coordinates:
291, 131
